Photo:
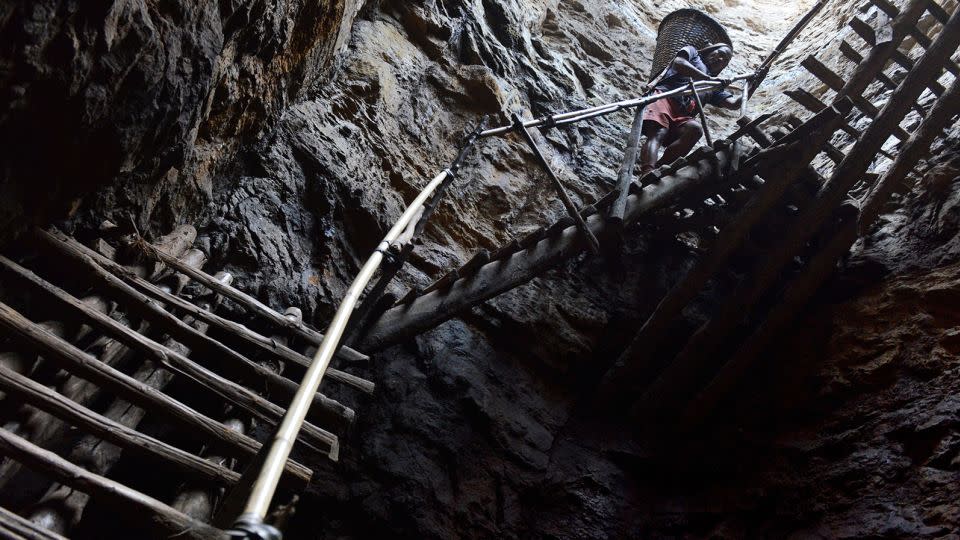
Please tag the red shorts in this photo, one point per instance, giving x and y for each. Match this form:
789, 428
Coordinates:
667, 113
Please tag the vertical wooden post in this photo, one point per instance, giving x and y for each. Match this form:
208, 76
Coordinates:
625, 176
591, 240
703, 115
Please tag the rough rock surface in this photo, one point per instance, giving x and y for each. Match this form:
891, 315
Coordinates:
484, 427
148, 97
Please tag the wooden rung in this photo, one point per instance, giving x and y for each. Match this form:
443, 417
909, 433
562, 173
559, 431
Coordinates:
603, 202
250, 338
588, 211
411, 295
77, 415
251, 304
479, 259
847, 49
79, 363
443, 282
509, 249
814, 105
15, 527
649, 179
938, 12
562, 224
226, 359
173, 360
533, 237
836, 83
826, 75
133, 504
834, 153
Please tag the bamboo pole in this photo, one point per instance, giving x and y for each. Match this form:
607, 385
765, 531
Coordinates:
265, 484
137, 506
83, 365
225, 358
702, 114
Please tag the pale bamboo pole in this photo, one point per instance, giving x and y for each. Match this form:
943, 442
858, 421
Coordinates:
265, 485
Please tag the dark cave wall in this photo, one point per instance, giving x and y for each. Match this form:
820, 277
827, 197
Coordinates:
127, 109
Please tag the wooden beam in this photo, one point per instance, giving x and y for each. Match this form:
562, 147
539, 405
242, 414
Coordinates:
227, 360
942, 114
136, 506
499, 276
634, 366
848, 51
835, 83
172, 360
87, 367
254, 306
77, 415
625, 176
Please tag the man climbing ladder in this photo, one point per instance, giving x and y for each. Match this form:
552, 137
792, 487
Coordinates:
670, 121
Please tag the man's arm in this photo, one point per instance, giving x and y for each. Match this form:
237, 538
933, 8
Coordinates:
730, 102
683, 67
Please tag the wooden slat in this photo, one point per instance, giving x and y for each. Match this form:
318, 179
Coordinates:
227, 360
14, 527
79, 363
135, 505
55, 404
254, 306
174, 361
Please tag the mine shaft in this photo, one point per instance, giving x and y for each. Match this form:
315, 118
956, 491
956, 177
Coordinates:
480, 269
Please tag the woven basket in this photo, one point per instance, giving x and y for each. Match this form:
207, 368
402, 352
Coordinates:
681, 28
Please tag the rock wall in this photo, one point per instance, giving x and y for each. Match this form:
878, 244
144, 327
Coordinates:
128, 109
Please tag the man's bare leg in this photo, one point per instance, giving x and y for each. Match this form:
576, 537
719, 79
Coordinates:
650, 151
687, 137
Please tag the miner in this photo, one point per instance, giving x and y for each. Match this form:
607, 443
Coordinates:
670, 121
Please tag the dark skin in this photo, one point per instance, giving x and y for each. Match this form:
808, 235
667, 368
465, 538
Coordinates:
680, 140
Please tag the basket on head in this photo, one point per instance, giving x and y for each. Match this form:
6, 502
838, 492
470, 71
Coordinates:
681, 28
